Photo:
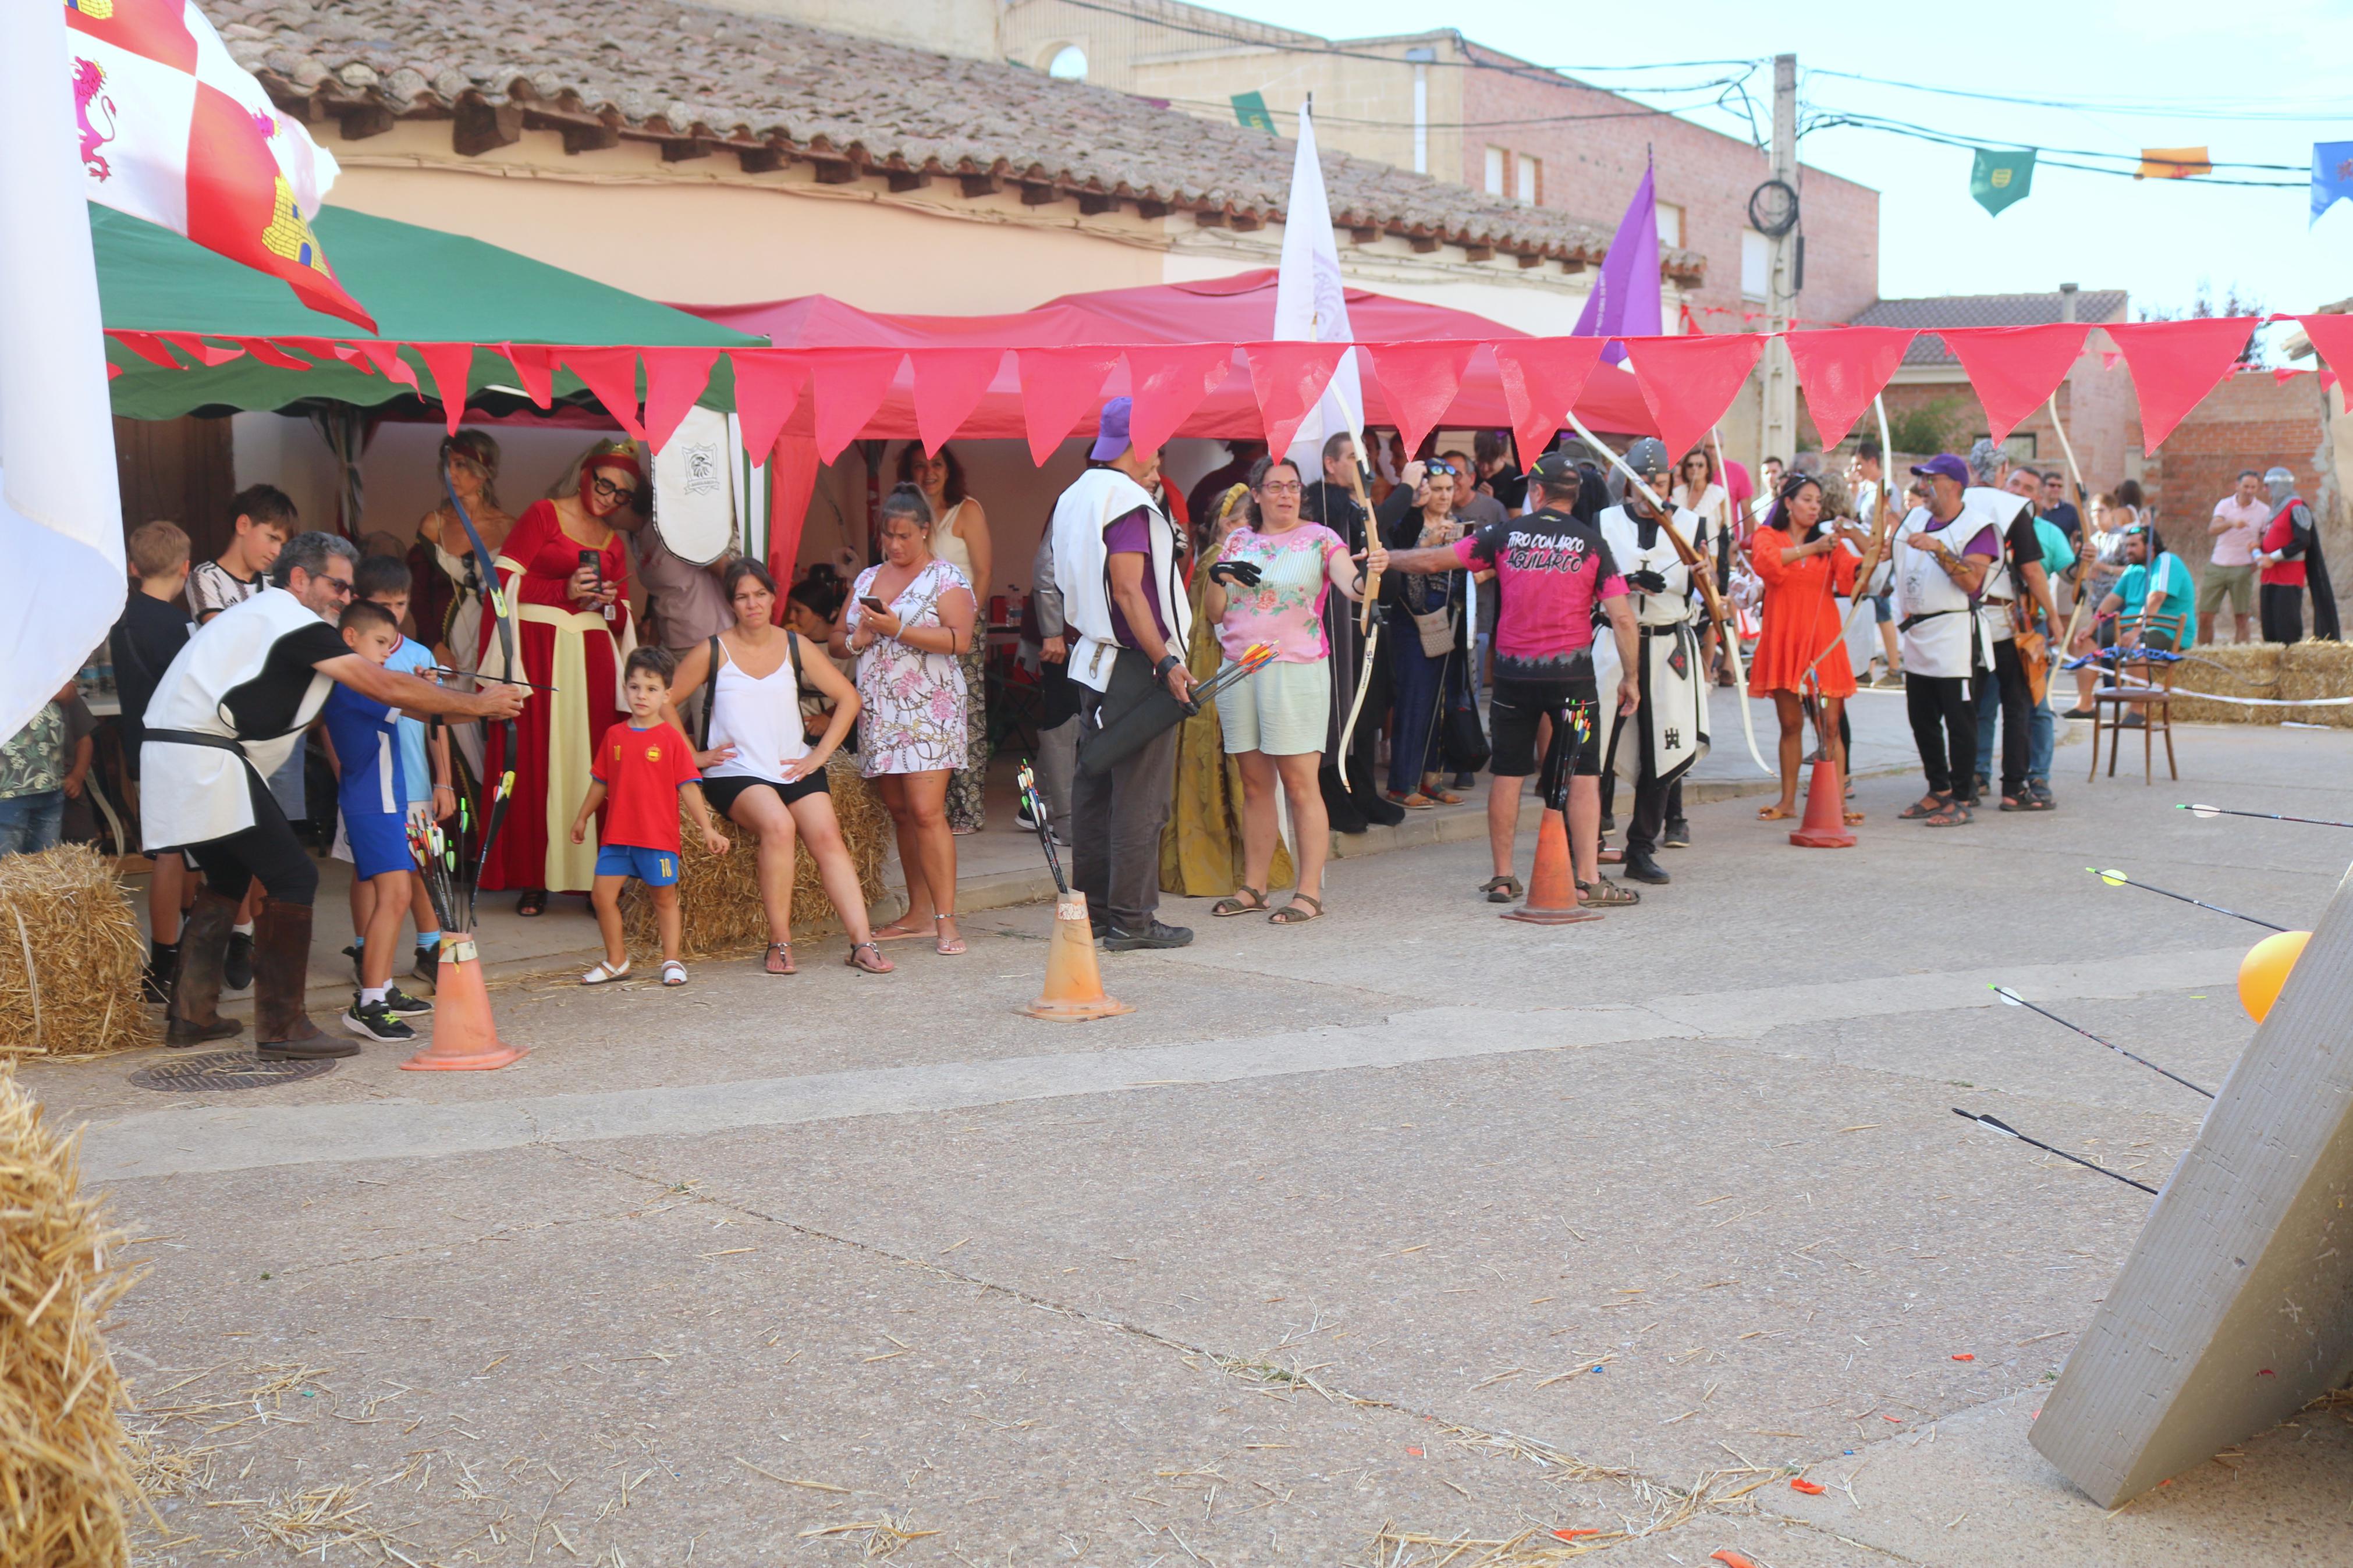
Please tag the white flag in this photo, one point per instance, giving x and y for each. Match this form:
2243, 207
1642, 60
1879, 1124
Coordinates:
60, 506
1311, 304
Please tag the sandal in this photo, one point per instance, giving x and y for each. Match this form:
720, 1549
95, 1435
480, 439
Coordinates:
1852, 817
1929, 804
1958, 814
878, 964
2025, 800
1609, 857
778, 959
674, 971
1290, 915
606, 974
533, 903
1502, 890
897, 931
1774, 814
1604, 894
1440, 795
1416, 801
948, 947
1234, 906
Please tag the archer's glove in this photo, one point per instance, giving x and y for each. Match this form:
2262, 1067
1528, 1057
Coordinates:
1236, 572
1648, 582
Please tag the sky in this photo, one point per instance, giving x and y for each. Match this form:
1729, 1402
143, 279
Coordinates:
2258, 81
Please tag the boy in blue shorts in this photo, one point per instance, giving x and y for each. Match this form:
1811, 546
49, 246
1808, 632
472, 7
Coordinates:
642, 764
424, 769
365, 745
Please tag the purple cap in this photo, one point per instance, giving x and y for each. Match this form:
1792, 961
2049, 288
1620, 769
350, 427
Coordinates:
1111, 435
1944, 465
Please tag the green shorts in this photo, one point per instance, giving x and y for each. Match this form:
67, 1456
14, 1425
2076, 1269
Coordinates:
2238, 582
1283, 711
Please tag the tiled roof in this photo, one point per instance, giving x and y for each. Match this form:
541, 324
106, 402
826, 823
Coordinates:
699, 81
1981, 310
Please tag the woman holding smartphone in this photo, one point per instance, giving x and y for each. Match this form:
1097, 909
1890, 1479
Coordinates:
564, 570
909, 621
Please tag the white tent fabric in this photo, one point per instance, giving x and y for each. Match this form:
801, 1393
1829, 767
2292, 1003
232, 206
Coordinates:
62, 585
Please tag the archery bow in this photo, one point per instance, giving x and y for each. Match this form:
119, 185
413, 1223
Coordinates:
1369, 620
1717, 610
494, 600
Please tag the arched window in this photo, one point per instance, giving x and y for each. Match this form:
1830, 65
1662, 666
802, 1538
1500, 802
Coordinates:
1069, 64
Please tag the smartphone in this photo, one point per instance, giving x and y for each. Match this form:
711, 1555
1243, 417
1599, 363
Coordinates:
593, 560
875, 605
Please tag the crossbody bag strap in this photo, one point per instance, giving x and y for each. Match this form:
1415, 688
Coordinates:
710, 694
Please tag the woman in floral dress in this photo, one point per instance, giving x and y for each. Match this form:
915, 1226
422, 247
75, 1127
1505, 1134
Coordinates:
909, 621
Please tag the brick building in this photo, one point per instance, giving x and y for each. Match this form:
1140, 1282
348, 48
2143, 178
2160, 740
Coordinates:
2253, 420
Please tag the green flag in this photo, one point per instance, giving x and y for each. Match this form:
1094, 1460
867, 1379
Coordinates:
1249, 108
2001, 178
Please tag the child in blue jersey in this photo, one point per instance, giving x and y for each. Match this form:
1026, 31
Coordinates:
363, 742
425, 769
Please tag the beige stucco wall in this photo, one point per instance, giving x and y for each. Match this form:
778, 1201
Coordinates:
702, 232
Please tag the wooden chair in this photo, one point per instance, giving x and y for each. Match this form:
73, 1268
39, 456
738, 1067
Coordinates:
2139, 685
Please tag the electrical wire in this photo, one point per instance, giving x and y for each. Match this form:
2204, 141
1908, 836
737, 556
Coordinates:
1639, 112
1833, 121
2154, 109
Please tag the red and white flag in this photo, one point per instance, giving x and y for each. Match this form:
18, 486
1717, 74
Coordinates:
175, 131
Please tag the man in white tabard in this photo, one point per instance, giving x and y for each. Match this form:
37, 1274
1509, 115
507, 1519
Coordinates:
1943, 551
2014, 585
1118, 564
231, 708
1655, 746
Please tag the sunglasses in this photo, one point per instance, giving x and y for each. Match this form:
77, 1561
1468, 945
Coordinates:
608, 490
1435, 467
339, 586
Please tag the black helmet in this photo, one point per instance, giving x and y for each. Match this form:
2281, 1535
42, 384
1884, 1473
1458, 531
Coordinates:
1648, 458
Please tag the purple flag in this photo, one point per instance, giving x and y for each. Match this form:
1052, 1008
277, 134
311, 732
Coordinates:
1625, 302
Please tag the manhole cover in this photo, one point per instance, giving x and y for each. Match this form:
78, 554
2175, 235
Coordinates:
224, 1069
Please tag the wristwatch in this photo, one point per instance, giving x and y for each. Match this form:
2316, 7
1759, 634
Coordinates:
1168, 661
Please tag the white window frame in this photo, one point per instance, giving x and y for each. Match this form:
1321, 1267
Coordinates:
1498, 163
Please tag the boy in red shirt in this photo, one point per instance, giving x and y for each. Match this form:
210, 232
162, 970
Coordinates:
640, 768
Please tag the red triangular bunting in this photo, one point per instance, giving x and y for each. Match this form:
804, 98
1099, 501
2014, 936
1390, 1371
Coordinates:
1542, 377
113, 371
767, 389
1688, 382
196, 349
1060, 386
273, 356
948, 385
1841, 370
850, 386
1418, 381
451, 365
611, 377
2283, 373
2175, 363
2332, 340
2014, 370
149, 347
675, 378
1287, 379
384, 357
1170, 380
534, 368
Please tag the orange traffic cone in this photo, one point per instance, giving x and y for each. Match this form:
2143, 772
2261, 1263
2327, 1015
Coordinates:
1074, 991
1552, 885
1825, 824
465, 1039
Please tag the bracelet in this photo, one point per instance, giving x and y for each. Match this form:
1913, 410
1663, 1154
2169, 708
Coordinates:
1168, 661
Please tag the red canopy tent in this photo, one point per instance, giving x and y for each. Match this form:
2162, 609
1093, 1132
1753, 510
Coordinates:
1233, 311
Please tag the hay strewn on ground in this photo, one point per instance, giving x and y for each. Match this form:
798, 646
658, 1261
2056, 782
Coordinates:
2299, 671
70, 957
64, 1478
721, 896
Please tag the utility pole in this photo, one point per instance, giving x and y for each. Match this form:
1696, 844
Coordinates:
1780, 400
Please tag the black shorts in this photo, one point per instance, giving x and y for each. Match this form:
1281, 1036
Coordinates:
1520, 705
723, 793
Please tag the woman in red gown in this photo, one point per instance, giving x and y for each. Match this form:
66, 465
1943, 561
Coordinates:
564, 570
1802, 566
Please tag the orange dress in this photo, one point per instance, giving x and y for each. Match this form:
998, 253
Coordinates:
1801, 619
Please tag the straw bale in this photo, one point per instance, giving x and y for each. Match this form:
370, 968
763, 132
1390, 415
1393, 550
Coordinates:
2313, 668
720, 895
65, 1476
2231, 669
70, 957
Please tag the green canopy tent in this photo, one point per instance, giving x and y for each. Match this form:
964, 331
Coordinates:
422, 286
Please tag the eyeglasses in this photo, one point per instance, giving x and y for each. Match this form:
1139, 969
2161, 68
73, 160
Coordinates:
1280, 488
1435, 467
608, 490
340, 587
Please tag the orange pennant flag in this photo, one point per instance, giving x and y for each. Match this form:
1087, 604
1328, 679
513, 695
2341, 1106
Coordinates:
2173, 163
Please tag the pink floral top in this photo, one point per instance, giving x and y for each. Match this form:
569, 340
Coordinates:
1286, 608
913, 721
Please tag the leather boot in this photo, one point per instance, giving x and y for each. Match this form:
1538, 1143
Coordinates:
194, 1015
282, 1030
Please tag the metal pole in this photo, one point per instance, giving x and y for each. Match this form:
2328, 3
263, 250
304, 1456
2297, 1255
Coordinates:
1780, 400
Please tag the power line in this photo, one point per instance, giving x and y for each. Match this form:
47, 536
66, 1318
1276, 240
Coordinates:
1638, 111
1835, 120
2161, 108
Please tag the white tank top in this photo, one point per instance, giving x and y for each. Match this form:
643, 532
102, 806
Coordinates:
761, 718
949, 545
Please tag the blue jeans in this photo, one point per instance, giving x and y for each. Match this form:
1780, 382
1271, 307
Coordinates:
2040, 740
31, 823
1413, 746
